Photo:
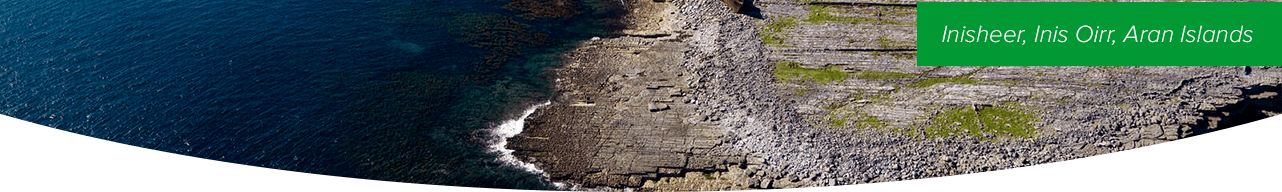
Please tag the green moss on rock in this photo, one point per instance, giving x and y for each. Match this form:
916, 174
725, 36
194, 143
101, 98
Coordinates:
791, 71
773, 32
1011, 121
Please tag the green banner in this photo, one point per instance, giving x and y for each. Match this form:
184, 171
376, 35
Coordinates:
1099, 34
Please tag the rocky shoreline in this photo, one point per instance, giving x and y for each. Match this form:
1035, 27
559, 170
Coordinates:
692, 96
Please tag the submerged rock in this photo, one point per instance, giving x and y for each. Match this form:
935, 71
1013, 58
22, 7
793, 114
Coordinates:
405, 46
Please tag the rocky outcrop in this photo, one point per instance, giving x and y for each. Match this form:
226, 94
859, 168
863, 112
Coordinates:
626, 114
624, 117
828, 93
883, 118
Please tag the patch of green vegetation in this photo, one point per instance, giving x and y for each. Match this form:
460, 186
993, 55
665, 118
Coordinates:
870, 122
800, 91
893, 44
1010, 121
708, 176
900, 130
875, 53
837, 122
540, 154
937, 80
1124, 106
1039, 74
773, 35
791, 71
954, 122
820, 14
904, 55
883, 75
835, 117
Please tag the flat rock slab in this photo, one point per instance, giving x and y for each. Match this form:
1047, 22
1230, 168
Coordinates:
640, 126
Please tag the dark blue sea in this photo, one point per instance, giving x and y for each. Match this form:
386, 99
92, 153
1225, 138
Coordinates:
378, 89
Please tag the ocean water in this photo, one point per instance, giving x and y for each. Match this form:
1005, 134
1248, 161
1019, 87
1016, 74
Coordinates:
407, 91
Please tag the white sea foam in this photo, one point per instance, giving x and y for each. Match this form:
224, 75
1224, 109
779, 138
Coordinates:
508, 129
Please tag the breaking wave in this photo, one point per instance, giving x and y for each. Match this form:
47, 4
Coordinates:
508, 129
